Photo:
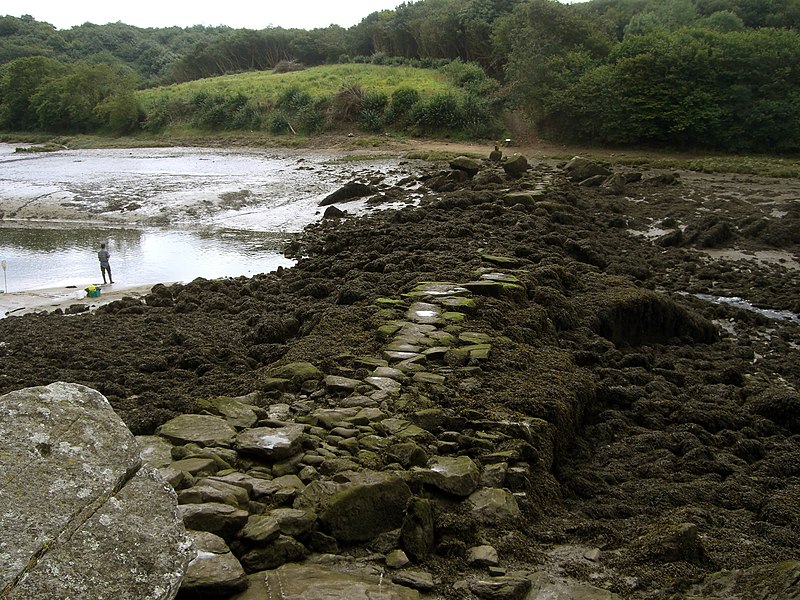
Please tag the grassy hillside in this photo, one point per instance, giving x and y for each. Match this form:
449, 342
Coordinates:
321, 82
457, 100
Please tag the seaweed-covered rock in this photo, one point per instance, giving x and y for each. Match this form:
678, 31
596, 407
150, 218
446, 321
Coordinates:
352, 190
633, 316
359, 505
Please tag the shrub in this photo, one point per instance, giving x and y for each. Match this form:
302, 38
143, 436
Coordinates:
293, 99
439, 112
121, 112
403, 101
288, 66
277, 122
224, 112
478, 116
347, 104
373, 106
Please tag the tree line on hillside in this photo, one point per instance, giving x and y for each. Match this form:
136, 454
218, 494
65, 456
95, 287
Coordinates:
695, 73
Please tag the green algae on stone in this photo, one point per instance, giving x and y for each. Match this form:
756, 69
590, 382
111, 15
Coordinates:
501, 277
428, 378
474, 337
495, 289
454, 317
389, 302
297, 372
388, 330
503, 261
460, 302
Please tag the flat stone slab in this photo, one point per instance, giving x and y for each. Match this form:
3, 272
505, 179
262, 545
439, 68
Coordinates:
337, 384
271, 443
429, 378
389, 372
396, 356
203, 430
502, 277
424, 313
385, 384
237, 413
436, 289
75, 495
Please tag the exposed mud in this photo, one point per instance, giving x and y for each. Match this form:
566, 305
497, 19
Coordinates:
678, 419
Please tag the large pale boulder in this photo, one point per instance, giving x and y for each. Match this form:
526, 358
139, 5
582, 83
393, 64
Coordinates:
82, 518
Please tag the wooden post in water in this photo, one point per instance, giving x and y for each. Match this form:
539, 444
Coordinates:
5, 279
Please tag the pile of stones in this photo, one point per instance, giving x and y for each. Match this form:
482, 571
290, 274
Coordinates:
324, 465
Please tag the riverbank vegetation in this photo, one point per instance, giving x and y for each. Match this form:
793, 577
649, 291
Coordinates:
718, 75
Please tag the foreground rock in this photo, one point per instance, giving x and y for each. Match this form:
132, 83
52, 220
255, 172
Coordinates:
81, 517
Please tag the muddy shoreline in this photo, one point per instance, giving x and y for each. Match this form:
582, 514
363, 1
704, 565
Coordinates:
670, 411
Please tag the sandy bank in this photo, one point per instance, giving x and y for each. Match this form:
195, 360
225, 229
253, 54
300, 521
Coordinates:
50, 299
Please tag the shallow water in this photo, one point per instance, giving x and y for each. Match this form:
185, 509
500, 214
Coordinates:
167, 214
42, 256
744, 304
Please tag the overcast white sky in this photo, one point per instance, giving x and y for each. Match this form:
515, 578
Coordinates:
303, 14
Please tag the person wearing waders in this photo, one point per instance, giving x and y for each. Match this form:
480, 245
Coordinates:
103, 255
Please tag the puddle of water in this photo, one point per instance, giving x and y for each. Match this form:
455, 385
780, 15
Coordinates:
775, 257
744, 304
43, 256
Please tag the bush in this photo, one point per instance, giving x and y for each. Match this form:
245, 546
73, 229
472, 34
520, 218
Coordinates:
347, 104
121, 112
277, 122
439, 112
294, 99
403, 101
310, 120
478, 117
469, 76
373, 106
217, 112
288, 66
158, 116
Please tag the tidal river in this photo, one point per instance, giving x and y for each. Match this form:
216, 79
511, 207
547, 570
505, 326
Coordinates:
166, 214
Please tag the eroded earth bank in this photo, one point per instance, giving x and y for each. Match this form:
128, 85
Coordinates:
523, 386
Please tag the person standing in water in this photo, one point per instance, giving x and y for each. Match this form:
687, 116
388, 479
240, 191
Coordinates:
103, 255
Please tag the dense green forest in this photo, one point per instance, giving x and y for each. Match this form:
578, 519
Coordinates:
718, 74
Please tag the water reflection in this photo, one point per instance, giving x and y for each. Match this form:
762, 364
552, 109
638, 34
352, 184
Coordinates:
42, 256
